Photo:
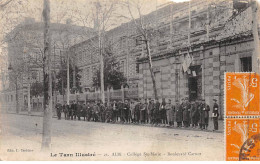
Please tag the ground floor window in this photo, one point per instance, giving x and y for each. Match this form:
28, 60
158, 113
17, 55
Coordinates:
246, 64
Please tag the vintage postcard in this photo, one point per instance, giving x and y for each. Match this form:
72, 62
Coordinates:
129, 80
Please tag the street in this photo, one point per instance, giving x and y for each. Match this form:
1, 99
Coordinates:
79, 140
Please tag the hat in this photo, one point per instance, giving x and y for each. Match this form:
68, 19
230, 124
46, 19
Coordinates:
215, 100
170, 100
202, 99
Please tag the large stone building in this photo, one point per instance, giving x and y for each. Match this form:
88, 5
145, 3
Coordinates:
196, 70
25, 55
192, 46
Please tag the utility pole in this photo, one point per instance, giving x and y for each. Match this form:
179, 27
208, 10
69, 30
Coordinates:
256, 54
46, 135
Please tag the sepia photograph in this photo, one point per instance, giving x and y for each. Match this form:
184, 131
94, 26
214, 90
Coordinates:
129, 80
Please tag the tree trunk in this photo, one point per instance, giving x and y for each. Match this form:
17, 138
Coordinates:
151, 67
46, 136
16, 95
68, 78
29, 97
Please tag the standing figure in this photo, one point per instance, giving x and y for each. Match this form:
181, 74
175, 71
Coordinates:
115, 111
204, 115
194, 114
179, 115
79, 110
109, 113
127, 111
66, 111
142, 111
58, 110
89, 111
132, 111
102, 112
71, 111
137, 112
215, 114
186, 112
151, 114
157, 112
74, 110
163, 112
170, 112
148, 112
84, 111
96, 110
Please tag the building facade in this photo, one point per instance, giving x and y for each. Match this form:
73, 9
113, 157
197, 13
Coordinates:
192, 46
25, 56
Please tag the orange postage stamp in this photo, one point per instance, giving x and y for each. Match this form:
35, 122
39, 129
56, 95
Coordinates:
242, 139
242, 94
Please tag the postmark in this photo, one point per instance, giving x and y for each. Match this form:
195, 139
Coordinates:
242, 139
242, 94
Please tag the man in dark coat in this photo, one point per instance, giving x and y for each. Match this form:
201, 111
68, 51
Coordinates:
163, 112
215, 114
186, 112
71, 107
115, 111
109, 113
157, 112
101, 112
179, 115
84, 111
151, 115
194, 114
148, 111
74, 109
96, 111
137, 112
79, 110
127, 111
89, 111
204, 115
66, 111
142, 111
58, 110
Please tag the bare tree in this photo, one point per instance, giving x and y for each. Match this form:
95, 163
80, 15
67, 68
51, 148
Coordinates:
146, 31
47, 80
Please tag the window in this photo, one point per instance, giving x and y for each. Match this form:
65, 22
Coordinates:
138, 40
137, 68
122, 66
87, 74
123, 43
246, 64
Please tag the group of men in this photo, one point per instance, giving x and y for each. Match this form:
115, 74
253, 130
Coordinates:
186, 114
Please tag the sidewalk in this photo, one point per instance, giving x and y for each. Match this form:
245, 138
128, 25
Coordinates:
210, 127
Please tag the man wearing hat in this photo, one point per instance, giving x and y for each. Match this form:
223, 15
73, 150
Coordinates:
204, 115
157, 112
215, 114
186, 112
178, 110
170, 112
194, 114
